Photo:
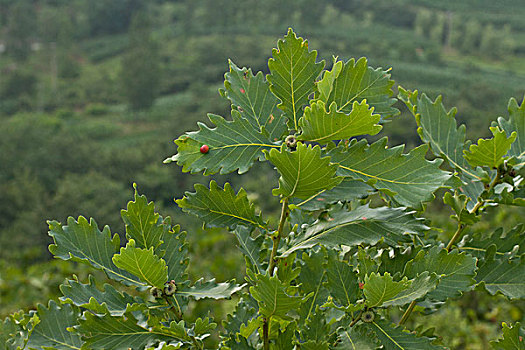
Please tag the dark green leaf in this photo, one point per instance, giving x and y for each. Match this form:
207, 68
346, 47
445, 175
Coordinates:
83, 241
347, 190
210, 289
504, 276
233, 145
51, 331
394, 338
516, 123
437, 127
363, 225
219, 207
123, 332
356, 338
357, 82
513, 338
511, 243
409, 178
250, 247
311, 279
174, 250
342, 281
90, 297
257, 104
456, 271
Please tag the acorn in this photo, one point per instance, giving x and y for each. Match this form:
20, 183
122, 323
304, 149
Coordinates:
291, 141
368, 316
155, 292
170, 288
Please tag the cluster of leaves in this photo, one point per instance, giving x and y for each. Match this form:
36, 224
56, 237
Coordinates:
329, 273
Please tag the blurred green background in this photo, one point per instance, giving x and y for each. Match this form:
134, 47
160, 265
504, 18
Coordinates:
92, 94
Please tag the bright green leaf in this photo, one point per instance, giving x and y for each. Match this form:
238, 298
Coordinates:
219, 207
142, 263
271, 295
326, 84
384, 291
293, 72
379, 289
142, 223
490, 152
303, 172
203, 326
320, 126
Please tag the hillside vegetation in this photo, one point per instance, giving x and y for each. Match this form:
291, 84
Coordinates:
92, 95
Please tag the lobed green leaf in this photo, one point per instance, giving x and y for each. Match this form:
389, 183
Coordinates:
303, 172
142, 263
357, 82
219, 207
233, 145
409, 179
252, 97
320, 126
293, 72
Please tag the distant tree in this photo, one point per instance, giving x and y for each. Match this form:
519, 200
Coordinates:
140, 72
471, 37
21, 26
111, 16
496, 43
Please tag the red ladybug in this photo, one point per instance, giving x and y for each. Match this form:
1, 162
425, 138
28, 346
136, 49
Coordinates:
205, 149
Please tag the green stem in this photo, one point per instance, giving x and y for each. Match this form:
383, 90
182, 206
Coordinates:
266, 337
276, 238
455, 238
457, 234
407, 313
195, 342
176, 311
355, 320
